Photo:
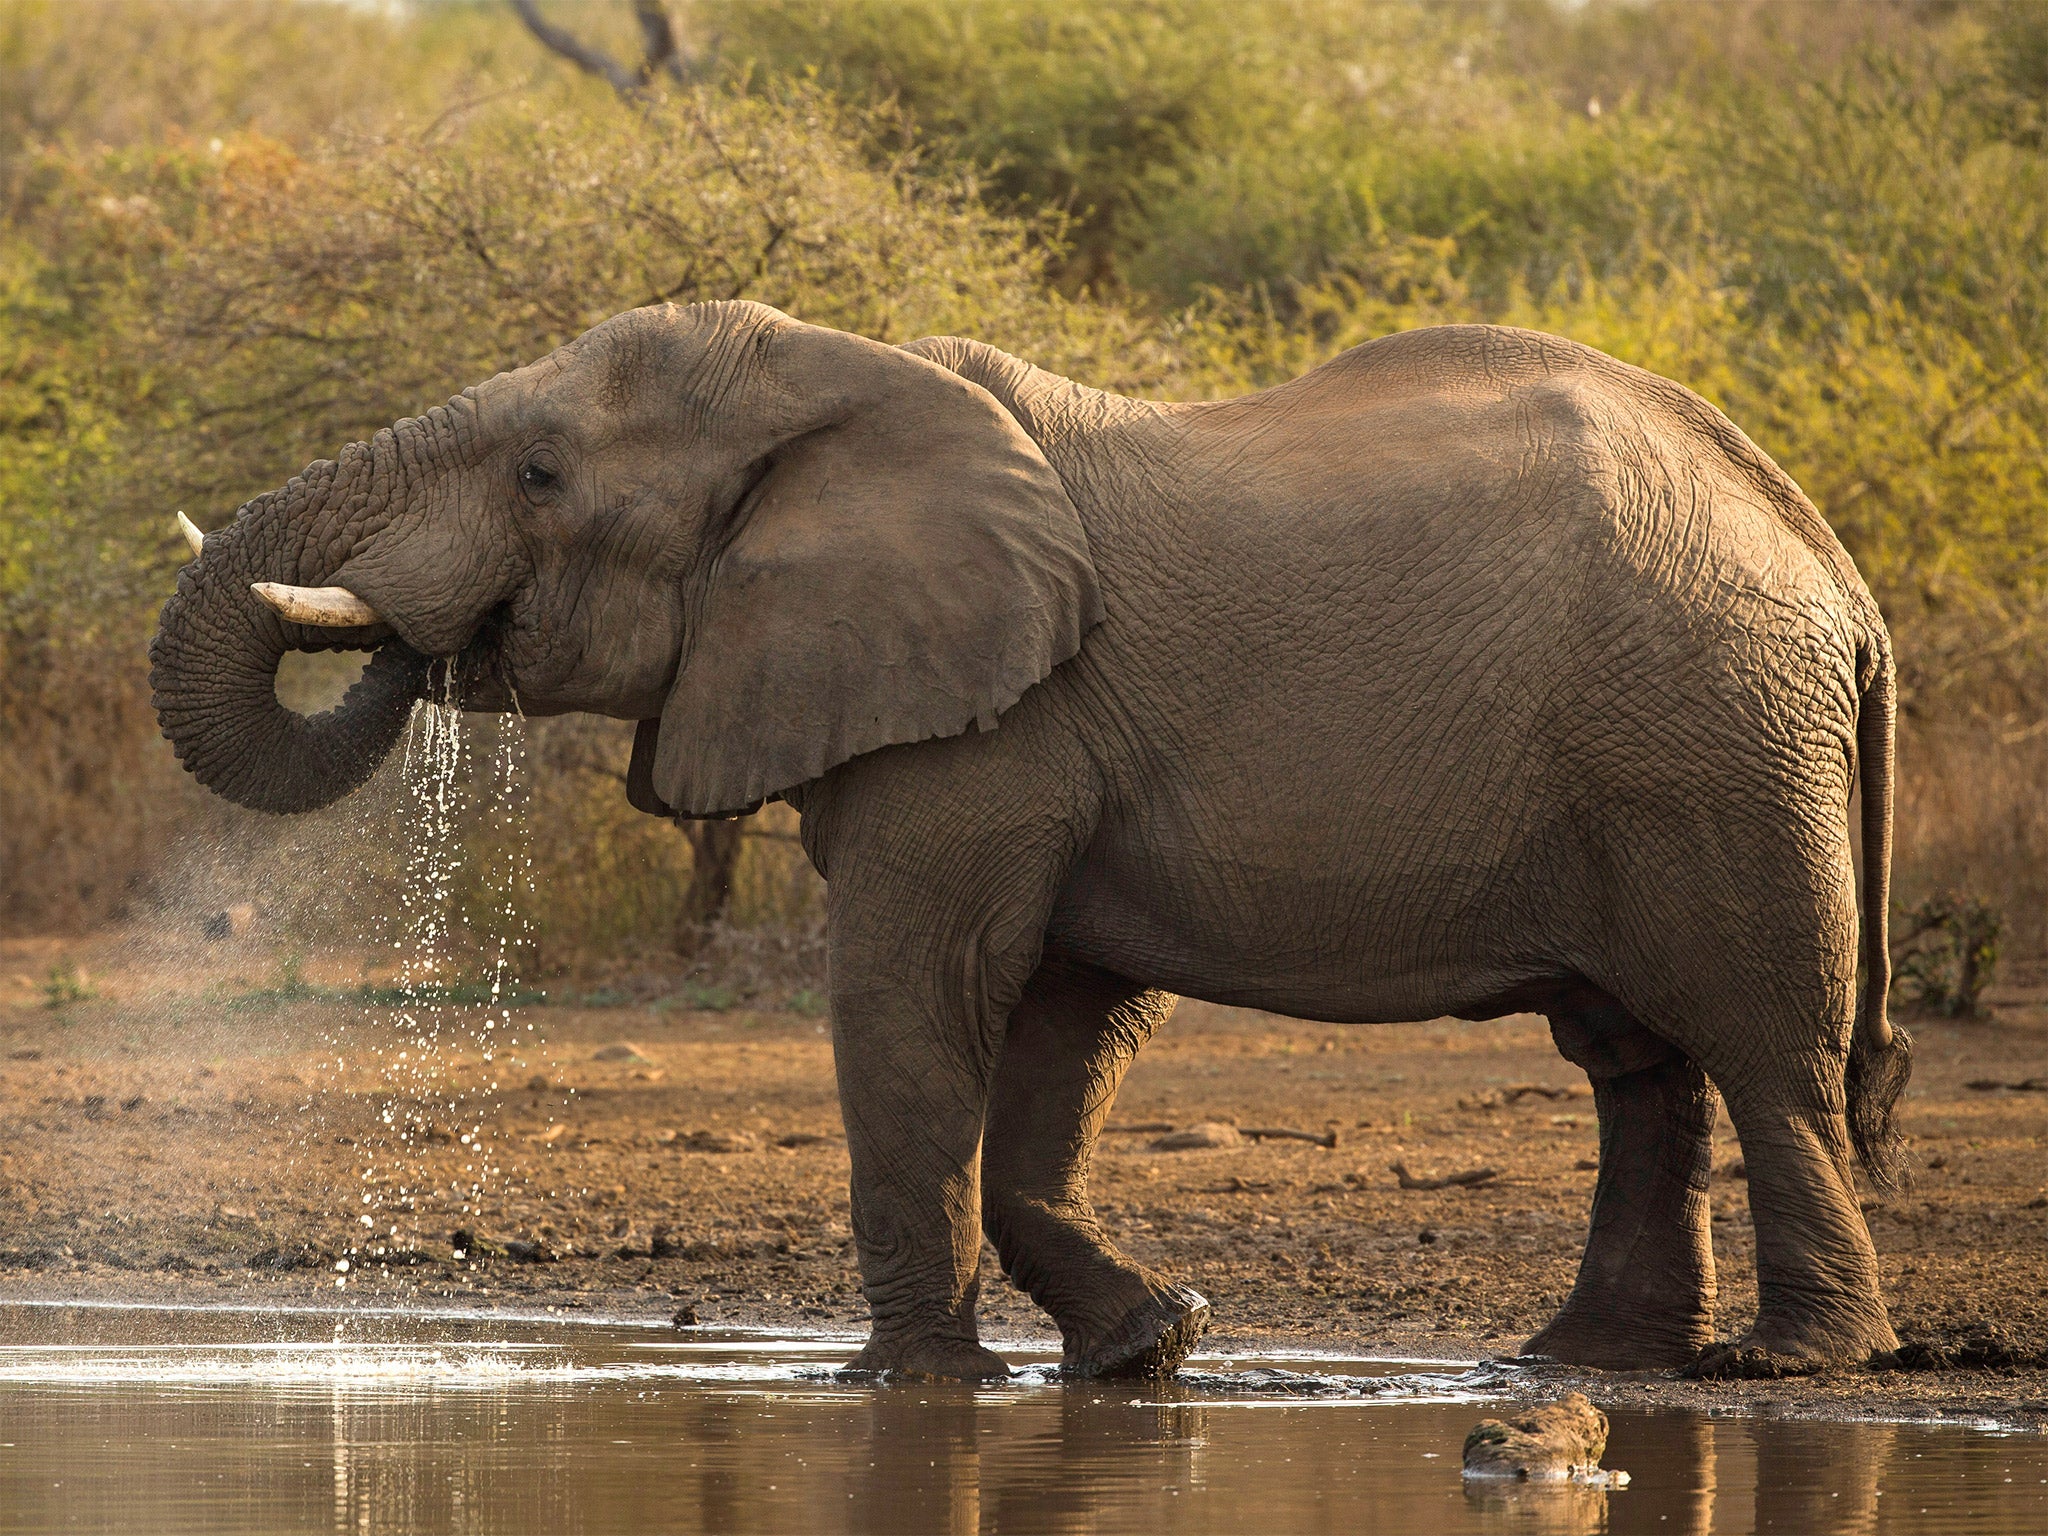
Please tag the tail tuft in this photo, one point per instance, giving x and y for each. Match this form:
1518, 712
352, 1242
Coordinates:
1877, 1078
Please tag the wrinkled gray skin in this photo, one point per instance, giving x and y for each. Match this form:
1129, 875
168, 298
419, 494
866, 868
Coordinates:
1473, 672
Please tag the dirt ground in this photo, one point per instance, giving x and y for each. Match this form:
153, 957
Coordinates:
202, 1129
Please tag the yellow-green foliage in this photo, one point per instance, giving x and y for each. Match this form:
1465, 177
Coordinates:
238, 236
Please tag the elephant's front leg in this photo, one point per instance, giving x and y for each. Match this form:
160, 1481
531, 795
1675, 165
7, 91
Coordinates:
942, 865
913, 1090
1071, 1037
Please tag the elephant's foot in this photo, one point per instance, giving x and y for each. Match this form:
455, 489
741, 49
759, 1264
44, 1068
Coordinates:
1151, 1340
1775, 1349
911, 1358
1627, 1333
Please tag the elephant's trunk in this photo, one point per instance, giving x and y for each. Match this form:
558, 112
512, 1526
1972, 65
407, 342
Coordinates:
215, 656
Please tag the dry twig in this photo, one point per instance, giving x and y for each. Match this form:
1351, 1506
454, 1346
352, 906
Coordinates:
1471, 1176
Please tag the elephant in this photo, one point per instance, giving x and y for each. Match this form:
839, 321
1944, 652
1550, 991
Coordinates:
1472, 673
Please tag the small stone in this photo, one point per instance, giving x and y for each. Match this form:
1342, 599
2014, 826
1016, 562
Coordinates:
664, 1245
537, 1084
1556, 1441
1208, 1135
230, 921
623, 1050
286, 1257
721, 1141
522, 1252
686, 1316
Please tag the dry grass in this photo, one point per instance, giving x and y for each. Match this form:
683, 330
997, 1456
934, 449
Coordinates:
1973, 818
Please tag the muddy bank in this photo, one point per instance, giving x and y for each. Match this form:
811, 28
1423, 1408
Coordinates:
176, 1135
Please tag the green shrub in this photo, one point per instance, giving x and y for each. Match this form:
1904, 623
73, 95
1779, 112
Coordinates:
1950, 953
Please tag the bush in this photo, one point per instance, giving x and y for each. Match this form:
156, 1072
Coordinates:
1951, 953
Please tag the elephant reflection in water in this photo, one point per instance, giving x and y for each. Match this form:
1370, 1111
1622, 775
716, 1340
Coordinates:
1818, 1476
943, 1460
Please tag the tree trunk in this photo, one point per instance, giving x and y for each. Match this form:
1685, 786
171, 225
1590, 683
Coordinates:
714, 857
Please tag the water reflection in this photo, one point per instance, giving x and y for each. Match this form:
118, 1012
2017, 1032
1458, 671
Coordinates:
171, 1423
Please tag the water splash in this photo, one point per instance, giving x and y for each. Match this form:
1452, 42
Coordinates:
459, 938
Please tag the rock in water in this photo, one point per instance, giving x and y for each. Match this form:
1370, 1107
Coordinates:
1555, 1441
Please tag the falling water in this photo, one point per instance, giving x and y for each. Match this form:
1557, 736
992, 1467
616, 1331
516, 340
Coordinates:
458, 938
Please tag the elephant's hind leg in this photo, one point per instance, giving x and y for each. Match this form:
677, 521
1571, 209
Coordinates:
1645, 1293
1070, 1038
1819, 1301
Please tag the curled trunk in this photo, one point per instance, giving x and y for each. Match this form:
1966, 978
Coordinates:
214, 660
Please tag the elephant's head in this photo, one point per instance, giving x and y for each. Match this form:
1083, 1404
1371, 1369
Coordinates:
789, 545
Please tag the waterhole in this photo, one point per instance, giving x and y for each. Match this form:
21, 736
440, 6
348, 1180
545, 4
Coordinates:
157, 1420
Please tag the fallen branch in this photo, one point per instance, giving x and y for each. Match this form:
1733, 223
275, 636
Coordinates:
1521, 1091
1241, 1186
1280, 1133
1472, 1176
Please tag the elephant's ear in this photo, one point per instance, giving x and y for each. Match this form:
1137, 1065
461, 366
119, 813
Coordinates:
906, 567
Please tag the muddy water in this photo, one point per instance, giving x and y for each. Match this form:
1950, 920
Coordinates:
121, 1419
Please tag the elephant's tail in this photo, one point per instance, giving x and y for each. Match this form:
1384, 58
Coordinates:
1880, 1053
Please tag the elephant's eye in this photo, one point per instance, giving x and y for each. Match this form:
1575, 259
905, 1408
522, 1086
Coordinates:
536, 478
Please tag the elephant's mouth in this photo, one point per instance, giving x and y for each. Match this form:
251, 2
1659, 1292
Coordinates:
479, 676
476, 675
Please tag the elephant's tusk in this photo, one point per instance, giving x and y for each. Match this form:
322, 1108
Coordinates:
192, 535
328, 607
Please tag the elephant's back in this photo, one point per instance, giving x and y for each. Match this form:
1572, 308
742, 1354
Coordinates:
1466, 542
1493, 458
1487, 419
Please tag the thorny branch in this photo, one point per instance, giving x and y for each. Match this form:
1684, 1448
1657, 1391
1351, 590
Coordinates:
661, 47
